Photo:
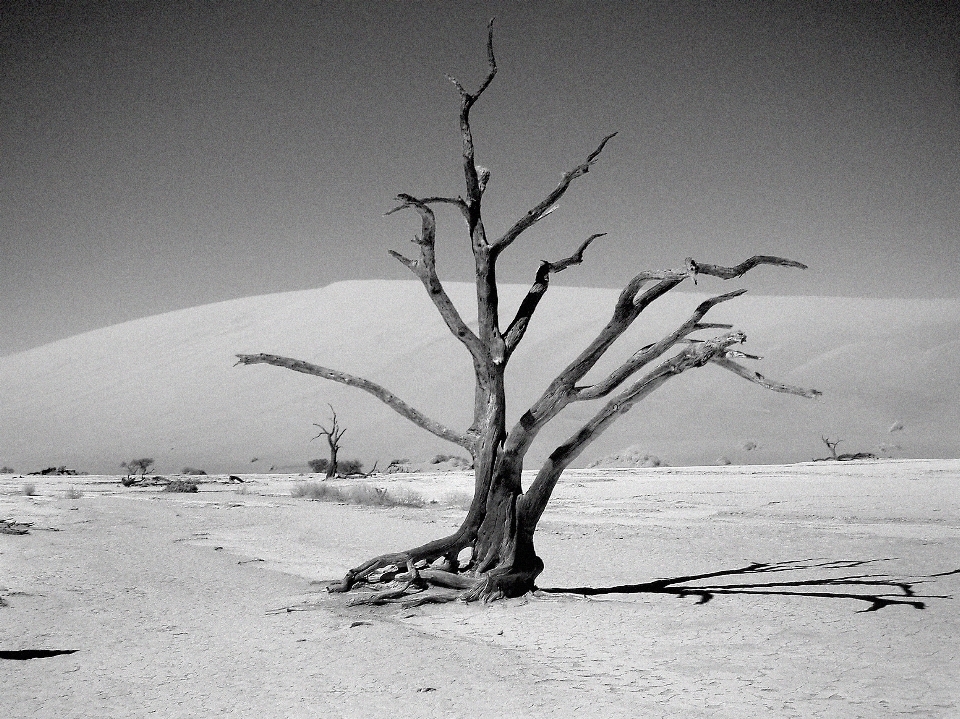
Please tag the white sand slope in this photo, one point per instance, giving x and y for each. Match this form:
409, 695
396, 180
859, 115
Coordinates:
166, 387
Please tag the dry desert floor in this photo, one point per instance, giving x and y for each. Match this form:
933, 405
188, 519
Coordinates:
813, 590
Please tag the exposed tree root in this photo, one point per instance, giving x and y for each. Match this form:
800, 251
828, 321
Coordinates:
430, 598
416, 592
385, 596
416, 561
413, 587
504, 583
448, 580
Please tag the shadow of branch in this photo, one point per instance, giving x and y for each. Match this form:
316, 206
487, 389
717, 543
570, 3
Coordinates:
876, 590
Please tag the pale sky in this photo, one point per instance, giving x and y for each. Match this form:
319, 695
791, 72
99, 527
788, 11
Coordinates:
156, 156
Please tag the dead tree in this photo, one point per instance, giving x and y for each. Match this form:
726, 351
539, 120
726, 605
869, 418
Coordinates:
333, 436
500, 523
135, 467
832, 446
846, 457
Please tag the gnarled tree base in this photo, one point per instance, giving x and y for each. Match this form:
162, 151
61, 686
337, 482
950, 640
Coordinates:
503, 562
433, 586
410, 579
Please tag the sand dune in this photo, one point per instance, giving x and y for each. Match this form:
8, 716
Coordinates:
165, 386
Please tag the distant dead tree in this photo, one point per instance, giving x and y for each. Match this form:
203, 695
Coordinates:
834, 457
832, 446
500, 524
135, 467
333, 435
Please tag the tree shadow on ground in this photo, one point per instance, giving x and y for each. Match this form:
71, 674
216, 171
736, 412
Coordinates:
876, 590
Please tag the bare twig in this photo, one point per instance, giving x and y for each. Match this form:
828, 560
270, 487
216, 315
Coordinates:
546, 206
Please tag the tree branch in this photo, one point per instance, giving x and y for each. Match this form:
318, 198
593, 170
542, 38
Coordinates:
518, 327
759, 379
489, 352
333, 434
425, 268
651, 352
381, 393
728, 273
629, 306
455, 201
546, 206
697, 355
534, 501
561, 390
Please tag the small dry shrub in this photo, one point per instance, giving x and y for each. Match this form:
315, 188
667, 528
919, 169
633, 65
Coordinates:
344, 466
366, 494
401, 497
181, 485
350, 466
409, 498
319, 466
72, 493
460, 500
29, 489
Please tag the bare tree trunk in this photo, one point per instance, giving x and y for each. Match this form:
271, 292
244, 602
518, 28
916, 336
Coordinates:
332, 435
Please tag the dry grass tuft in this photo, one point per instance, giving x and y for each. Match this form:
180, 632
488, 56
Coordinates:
72, 493
181, 485
406, 497
316, 490
365, 494
458, 499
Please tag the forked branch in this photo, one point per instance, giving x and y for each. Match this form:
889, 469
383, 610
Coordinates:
535, 499
381, 393
561, 390
467, 99
630, 305
425, 268
334, 433
518, 327
651, 352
